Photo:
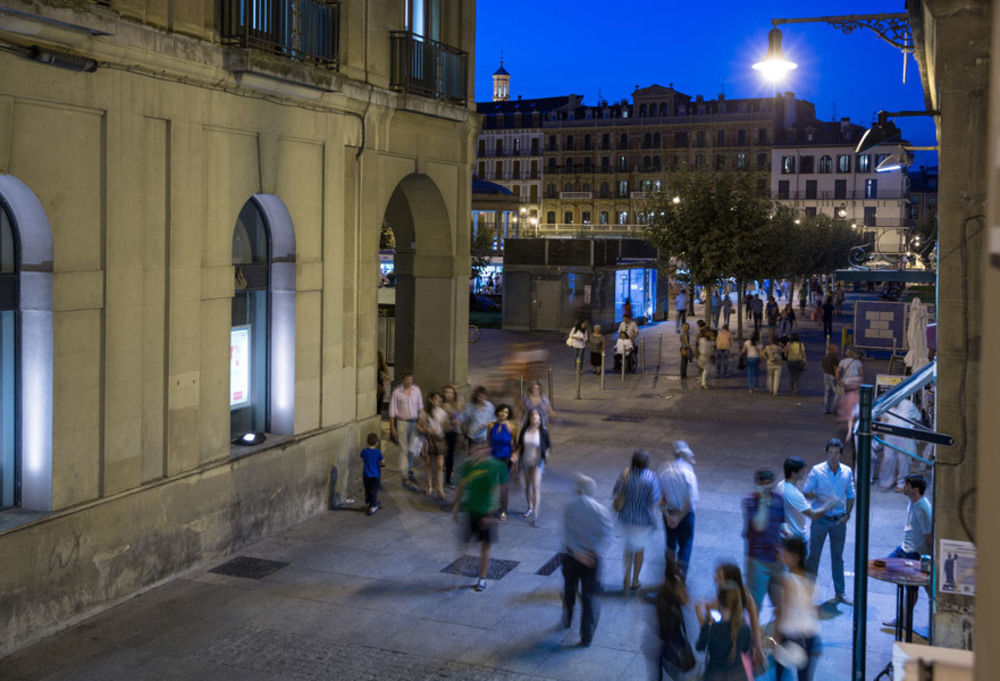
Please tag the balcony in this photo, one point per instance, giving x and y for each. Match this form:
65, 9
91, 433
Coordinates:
304, 30
428, 68
576, 195
584, 231
888, 194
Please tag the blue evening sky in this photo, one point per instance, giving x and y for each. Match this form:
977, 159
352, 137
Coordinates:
596, 48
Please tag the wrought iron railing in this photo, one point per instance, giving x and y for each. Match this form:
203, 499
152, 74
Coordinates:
429, 68
306, 30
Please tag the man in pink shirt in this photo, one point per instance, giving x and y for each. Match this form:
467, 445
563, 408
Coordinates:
404, 409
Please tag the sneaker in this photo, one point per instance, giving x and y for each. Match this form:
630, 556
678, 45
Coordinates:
842, 598
528, 513
480, 585
371, 510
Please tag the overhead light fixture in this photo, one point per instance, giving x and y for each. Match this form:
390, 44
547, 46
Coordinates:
897, 160
842, 211
774, 66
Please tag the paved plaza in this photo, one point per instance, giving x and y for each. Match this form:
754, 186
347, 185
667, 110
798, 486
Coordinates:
355, 597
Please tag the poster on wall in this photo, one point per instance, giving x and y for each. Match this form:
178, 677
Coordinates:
239, 366
958, 567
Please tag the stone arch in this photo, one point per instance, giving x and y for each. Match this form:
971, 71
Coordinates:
431, 288
34, 335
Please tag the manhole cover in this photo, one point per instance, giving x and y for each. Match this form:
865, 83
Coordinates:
627, 417
250, 568
468, 566
552, 565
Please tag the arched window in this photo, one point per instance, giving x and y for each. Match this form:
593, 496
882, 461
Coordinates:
645, 162
550, 217
642, 110
262, 334
647, 141
623, 141
656, 163
26, 256
623, 217
656, 140
825, 164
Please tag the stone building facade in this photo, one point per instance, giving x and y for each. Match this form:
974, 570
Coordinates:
191, 197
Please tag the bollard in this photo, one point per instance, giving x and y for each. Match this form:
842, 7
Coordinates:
624, 362
642, 355
579, 368
521, 394
659, 349
552, 395
602, 369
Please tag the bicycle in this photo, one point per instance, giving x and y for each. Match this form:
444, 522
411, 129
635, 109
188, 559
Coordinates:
474, 333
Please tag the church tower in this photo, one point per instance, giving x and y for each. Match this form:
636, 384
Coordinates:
501, 84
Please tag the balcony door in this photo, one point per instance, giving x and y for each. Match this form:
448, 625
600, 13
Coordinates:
423, 18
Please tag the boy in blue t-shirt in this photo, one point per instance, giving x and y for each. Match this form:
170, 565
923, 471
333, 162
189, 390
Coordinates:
372, 458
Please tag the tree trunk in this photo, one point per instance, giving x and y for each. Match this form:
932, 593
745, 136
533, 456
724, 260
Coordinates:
739, 310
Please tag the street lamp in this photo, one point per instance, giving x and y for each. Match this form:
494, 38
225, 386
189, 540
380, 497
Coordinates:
774, 65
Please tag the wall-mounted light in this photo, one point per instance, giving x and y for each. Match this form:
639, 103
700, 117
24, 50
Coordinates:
897, 160
250, 439
885, 131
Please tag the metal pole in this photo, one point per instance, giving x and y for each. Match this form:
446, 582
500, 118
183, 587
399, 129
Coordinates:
623, 367
521, 394
603, 354
552, 395
862, 479
642, 354
579, 364
659, 349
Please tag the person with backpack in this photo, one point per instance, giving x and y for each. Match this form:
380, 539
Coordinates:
795, 352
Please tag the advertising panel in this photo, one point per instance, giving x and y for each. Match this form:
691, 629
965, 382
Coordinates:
239, 366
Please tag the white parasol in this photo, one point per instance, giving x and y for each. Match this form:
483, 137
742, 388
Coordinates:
916, 336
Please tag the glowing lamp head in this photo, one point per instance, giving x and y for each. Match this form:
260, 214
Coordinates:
675, 200
774, 67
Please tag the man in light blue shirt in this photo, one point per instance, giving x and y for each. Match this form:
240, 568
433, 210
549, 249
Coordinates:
588, 526
830, 485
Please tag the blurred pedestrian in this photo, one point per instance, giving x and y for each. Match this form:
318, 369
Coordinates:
433, 427
476, 417
723, 345
679, 485
894, 465
680, 306
730, 572
757, 305
404, 409
830, 481
724, 636
623, 350
533, 448
774, 355
587, 527
453, 408
828, 311
850, 376
686, 350
830, 361
706, 343
797, 628
539, 402
751, 355
476, 496
637, 492
795, 352
763, 515
676, 656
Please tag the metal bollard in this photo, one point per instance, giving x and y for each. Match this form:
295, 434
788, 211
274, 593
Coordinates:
521, 394
624, 362
659, 349
642, 355
602, 370
579, 368
552, 395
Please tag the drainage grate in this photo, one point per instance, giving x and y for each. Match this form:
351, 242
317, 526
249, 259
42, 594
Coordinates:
553, 564
628, 417
468, 566
250, 568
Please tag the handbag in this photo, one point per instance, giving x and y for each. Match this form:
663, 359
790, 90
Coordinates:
619, 503
569, 341
742, 363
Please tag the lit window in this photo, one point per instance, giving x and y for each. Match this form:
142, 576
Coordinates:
871, 189
604, 217
864, 163
843, 163
623, 217
787, 165
825, 164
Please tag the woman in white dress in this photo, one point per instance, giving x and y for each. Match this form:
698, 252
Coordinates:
534, 447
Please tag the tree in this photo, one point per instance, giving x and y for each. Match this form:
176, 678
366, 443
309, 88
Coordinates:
713, 223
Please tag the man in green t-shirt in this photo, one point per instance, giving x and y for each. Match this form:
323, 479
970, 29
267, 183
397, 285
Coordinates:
482, 475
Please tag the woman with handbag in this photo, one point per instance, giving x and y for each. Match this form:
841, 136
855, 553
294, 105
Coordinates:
724, 635
676, 655
578, 340
637, 492
750, 355
432, 425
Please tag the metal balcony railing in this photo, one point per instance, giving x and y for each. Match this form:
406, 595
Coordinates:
576, 195
305, 30
428, 68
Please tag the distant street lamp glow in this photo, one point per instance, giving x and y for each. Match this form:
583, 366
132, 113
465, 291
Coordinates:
675, 200
774, 66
